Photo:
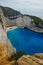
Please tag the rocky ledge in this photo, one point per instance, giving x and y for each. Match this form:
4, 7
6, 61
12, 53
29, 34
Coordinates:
36, 59
31, 60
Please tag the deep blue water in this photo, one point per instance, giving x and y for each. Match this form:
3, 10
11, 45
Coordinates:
25, 40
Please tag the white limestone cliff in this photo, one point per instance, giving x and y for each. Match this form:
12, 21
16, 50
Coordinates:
4, 40
3, 35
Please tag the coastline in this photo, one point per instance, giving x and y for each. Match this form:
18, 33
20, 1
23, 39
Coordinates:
4, 40
40, 31
10, 28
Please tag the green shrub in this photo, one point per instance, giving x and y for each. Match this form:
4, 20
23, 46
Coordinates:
37, 20
16, 56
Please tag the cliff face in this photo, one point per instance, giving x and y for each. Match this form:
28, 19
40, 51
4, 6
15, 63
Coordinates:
4, 40
27, 21
3, 35
24, 21
9, 12
4, 55
12, 17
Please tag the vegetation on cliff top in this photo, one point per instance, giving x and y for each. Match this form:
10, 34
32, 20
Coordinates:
8, 12
37, 20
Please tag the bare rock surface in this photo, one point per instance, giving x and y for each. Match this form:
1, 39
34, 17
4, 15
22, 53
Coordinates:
4, 40
4, 55
30, 60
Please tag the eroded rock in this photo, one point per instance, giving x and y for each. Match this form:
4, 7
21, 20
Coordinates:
4, 55
29, 60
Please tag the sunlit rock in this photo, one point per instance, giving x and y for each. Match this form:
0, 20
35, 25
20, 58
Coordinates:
4, 55
30, 60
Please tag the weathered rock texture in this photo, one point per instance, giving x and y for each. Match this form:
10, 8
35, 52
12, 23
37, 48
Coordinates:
21, 21
31, 60
4, 40
3, 35
4, 55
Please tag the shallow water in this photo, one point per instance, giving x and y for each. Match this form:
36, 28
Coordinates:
25, 40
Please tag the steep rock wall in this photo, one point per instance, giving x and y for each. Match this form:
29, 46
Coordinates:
4, 39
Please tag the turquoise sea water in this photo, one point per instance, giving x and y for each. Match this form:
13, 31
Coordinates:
25, 40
